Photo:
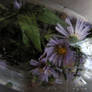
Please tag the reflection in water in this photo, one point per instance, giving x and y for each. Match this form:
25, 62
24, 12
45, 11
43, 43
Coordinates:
88, 64
86, 74
88, 68
86, 46
79, 81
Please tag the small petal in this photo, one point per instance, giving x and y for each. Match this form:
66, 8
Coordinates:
61, 30
34, 63
58, 81
50, 51
85, 30
59, 61
44, 78
54, 73
55, 60
44, 60
77, 26
17, 4
52, 57
70, 27
53, 41
35, 71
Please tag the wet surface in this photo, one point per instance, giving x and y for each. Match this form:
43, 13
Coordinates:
5, 89
8, 76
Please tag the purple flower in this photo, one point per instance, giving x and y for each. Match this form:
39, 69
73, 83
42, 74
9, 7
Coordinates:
43, 72
58, 52
17, 4
74, 33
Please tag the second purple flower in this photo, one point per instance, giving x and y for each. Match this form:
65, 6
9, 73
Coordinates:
58, 52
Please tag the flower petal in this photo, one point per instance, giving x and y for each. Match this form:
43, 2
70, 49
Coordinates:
44, 77
61, 30
60, 61
34, 63
58, 81
54, 73
49, 51
52, 57
70, 27
17, 4
35, 71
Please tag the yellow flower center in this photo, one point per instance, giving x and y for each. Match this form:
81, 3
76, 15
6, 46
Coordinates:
74, 38
75, 35
61, 51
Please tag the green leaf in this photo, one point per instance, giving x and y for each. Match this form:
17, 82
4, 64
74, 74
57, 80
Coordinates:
25, 39
49, 17
29, 26
48, 36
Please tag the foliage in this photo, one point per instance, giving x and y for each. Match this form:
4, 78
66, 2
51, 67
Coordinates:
29, 26
25, 31
49, 17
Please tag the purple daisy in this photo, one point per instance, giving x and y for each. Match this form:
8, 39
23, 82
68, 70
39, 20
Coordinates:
77, 32
43, 72
17, 4
58, 52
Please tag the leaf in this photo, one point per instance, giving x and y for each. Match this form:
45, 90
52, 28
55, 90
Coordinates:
48, 36
25, 39
49, 17
29, 26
